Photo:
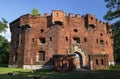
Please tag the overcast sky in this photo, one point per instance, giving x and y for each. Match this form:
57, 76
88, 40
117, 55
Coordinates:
12, 9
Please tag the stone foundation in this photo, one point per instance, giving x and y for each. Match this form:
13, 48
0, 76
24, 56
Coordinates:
13, 66
37, 67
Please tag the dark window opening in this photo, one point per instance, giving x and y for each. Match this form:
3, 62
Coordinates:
101, 42
41, 30
91, 25
15, 57
102, 62
96, 40
66, 38
33, 40
17, 42
106, 43
75, 30
42, 40
76, 39
85, 39
58, 23
110, 32
101, 34
21, 41
50, 38
41, 55
57, 14
96, 61
91, 18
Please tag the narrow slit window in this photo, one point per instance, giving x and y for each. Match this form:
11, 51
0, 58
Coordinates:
101, 34
15, 57
66, 38
96, 40
50, 38
96, 61
102, 62
85, 39
33, 40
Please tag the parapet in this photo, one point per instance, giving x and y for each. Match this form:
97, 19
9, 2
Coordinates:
70, 15
46, 14
77, 15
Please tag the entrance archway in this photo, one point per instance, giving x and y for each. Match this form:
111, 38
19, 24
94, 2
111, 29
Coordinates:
78, 60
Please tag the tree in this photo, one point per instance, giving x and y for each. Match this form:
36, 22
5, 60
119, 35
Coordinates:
113, 13
4, 44
3, 25
4, 50
35, 12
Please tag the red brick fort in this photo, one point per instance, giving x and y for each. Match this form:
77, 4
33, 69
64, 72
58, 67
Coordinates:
61, 42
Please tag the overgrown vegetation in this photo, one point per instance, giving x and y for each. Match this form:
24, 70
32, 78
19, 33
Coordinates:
35, 12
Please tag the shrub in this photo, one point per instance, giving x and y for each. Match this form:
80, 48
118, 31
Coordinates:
116, 67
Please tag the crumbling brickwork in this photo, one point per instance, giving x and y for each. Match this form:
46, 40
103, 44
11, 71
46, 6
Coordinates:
35, 40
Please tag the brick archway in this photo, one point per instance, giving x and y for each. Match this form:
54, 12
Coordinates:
78, 60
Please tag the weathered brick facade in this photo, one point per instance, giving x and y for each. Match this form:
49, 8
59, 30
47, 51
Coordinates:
36, 41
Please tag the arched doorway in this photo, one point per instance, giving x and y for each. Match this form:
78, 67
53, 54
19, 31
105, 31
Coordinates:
78, 60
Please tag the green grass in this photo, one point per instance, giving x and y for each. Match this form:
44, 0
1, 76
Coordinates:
4, 70
49, 74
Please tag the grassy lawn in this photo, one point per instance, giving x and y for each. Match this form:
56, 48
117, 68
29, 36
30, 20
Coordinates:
48, 74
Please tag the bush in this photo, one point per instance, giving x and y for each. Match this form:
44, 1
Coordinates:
116, 67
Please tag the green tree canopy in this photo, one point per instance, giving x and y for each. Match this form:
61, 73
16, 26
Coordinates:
35, 12
4, 44
3, 25
113, 13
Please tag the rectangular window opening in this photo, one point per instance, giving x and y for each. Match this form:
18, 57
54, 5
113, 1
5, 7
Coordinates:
42, 40
76, 39
102, 42
41, 30
75, 30
41, 55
